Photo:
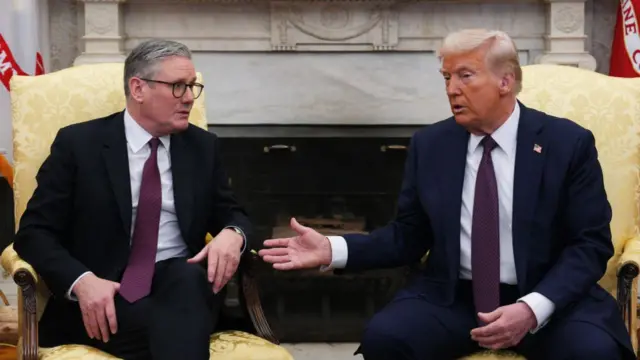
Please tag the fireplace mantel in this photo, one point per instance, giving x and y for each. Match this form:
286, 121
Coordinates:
375, 57
112, 26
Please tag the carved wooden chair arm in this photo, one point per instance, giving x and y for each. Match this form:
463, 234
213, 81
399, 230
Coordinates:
12, 264
251, 295
628, 268
27, 279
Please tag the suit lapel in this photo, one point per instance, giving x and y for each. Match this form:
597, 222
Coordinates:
116, 160
182, 169
531, 151
450, 170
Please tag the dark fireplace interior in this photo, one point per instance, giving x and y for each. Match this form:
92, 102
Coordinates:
335, 184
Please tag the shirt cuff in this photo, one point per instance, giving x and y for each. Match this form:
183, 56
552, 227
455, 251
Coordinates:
70, 295
339, 253
244, 238
541, 306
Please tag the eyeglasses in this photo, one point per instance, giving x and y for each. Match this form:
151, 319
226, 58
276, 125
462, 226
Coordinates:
179, 88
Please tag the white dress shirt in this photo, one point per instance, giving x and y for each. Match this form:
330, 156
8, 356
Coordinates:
170, 242
503, 158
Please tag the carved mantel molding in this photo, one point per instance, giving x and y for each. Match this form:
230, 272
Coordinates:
565, 38
103, 32
552, 31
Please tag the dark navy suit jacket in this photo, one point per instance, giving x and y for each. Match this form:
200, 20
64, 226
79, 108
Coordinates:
561, 234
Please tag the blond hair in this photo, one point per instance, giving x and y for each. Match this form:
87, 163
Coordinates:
502, 54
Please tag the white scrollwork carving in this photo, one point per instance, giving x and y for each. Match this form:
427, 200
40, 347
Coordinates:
334, 16
339, 31
325, 25
567, 20
101, 21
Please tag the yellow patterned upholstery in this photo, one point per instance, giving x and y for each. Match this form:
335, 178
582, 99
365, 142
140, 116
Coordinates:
227, 345
610, 108
40, 106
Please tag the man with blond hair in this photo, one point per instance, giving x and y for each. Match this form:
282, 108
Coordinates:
515, 217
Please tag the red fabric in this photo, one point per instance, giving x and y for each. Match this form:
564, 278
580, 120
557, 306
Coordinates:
625, 49
8, 64
39, 64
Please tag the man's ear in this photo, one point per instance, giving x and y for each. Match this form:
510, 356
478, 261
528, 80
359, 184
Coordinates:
506, 84
136, 89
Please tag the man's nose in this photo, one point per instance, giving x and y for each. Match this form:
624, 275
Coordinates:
188, 96
453, 87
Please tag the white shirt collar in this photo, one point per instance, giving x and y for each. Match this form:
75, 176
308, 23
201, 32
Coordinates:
506, 135
137, 137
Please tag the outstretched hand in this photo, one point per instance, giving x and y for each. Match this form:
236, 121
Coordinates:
309, 249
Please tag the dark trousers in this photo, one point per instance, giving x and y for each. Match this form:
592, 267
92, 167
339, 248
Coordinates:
410, 328
174, 322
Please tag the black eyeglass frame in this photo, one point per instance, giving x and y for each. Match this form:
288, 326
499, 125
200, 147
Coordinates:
174, 86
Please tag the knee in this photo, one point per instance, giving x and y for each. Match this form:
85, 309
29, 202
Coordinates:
192, 278
380, 341
605, 348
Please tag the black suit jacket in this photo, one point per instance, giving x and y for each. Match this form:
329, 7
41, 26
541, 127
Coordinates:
79, 218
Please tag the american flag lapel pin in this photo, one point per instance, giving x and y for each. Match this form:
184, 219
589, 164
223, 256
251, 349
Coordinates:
537, 148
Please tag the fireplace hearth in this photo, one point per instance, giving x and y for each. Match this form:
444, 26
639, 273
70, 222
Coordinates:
336, 185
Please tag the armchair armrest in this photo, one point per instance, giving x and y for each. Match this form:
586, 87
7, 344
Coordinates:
251, 295
13, 264
627, 270
26, 278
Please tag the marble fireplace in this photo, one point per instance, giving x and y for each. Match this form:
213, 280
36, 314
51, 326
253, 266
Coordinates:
306, 94
328, 62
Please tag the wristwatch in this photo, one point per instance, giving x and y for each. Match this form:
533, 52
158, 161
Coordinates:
237, 230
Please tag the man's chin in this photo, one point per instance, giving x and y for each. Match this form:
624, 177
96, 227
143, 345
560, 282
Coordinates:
180, 125
462, 119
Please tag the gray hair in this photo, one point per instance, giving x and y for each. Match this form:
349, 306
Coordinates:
502, 54
143, 60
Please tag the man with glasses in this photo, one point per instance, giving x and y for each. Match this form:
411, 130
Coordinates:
117, 224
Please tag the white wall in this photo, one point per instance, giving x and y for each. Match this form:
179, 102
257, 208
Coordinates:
401, 88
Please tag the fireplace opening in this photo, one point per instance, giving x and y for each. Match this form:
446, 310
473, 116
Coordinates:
336, 185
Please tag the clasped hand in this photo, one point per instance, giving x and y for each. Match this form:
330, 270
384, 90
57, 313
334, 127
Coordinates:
506, 326
223, 255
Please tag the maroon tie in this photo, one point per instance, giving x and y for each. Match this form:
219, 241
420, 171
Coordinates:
485, 235
136, 281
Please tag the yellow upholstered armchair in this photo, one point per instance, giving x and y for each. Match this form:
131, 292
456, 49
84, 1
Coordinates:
40, 106
610, 108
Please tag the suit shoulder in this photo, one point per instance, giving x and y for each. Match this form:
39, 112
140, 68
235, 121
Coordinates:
87, 129
560, 127
566, 136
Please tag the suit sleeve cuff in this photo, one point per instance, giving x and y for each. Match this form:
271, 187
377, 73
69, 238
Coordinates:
339, 253
244, 237
542, 308
70, 295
